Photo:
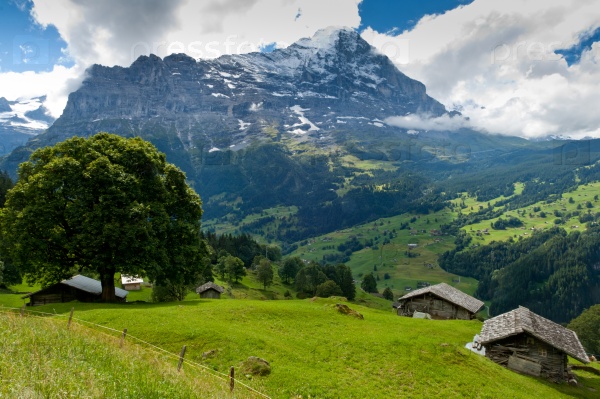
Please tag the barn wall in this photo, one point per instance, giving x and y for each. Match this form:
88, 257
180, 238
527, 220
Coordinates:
438, 308
210, 294
54, 294
526, 354
59, 293
132, 287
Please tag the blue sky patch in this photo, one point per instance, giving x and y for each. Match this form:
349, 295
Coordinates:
400, 15
24, 45
573, 54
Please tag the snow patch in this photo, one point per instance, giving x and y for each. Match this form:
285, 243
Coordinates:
219, 95
352, 117
256, 107
243, 125
214, 149
299, 111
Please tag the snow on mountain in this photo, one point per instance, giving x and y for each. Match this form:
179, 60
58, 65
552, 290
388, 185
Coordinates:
20, 121
300, 91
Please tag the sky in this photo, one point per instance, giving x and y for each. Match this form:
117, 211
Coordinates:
528, 68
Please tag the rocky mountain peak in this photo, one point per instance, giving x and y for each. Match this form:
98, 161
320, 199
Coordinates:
4, 105
310, 91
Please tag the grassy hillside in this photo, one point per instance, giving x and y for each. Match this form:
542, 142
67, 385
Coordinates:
316, 352
389, 253
40, 358
539, 216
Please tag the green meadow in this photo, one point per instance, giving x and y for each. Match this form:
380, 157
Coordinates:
313, 350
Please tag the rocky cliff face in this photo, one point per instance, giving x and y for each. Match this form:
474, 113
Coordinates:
200, 113
308, 89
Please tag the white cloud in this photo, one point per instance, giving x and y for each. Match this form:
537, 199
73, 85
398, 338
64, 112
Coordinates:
425, 122
56, 85
495, 61
114, 32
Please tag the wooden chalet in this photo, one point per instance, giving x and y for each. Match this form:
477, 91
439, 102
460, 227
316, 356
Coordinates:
441, 301
210, 290
77, 288
528, 343
131, 283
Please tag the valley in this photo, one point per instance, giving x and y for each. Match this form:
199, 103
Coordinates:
295, 154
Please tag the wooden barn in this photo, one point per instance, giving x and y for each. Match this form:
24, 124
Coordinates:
131, 283
528, 343
210, 290
80, 288
441, 301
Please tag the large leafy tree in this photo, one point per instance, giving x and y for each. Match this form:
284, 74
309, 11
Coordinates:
103, 205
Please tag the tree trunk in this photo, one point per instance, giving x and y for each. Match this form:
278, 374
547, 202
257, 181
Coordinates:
108, 286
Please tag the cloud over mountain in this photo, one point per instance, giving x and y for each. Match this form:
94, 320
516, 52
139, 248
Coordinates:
496, 62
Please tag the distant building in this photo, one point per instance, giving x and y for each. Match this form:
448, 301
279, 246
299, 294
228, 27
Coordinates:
77, 288
528, 343
210, 290
441, 301
131, 283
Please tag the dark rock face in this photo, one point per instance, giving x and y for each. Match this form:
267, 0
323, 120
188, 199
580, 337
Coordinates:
302, 89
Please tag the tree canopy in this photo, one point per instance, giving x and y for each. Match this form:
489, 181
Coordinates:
369, 284
5, 184
264, 272
102, 205
587, 327
289, 269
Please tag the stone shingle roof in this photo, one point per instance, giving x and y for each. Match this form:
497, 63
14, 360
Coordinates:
450, 294
208, 286
523, 320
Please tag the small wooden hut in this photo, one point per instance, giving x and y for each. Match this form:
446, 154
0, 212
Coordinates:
528, 343
441, 301
131, 283
210, 290
80, 288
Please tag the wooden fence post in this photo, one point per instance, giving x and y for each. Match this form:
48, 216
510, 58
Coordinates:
231, 379
70, 317
22, 310
181, 355
123, 337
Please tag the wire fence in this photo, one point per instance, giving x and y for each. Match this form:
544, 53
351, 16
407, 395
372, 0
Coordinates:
228, 378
